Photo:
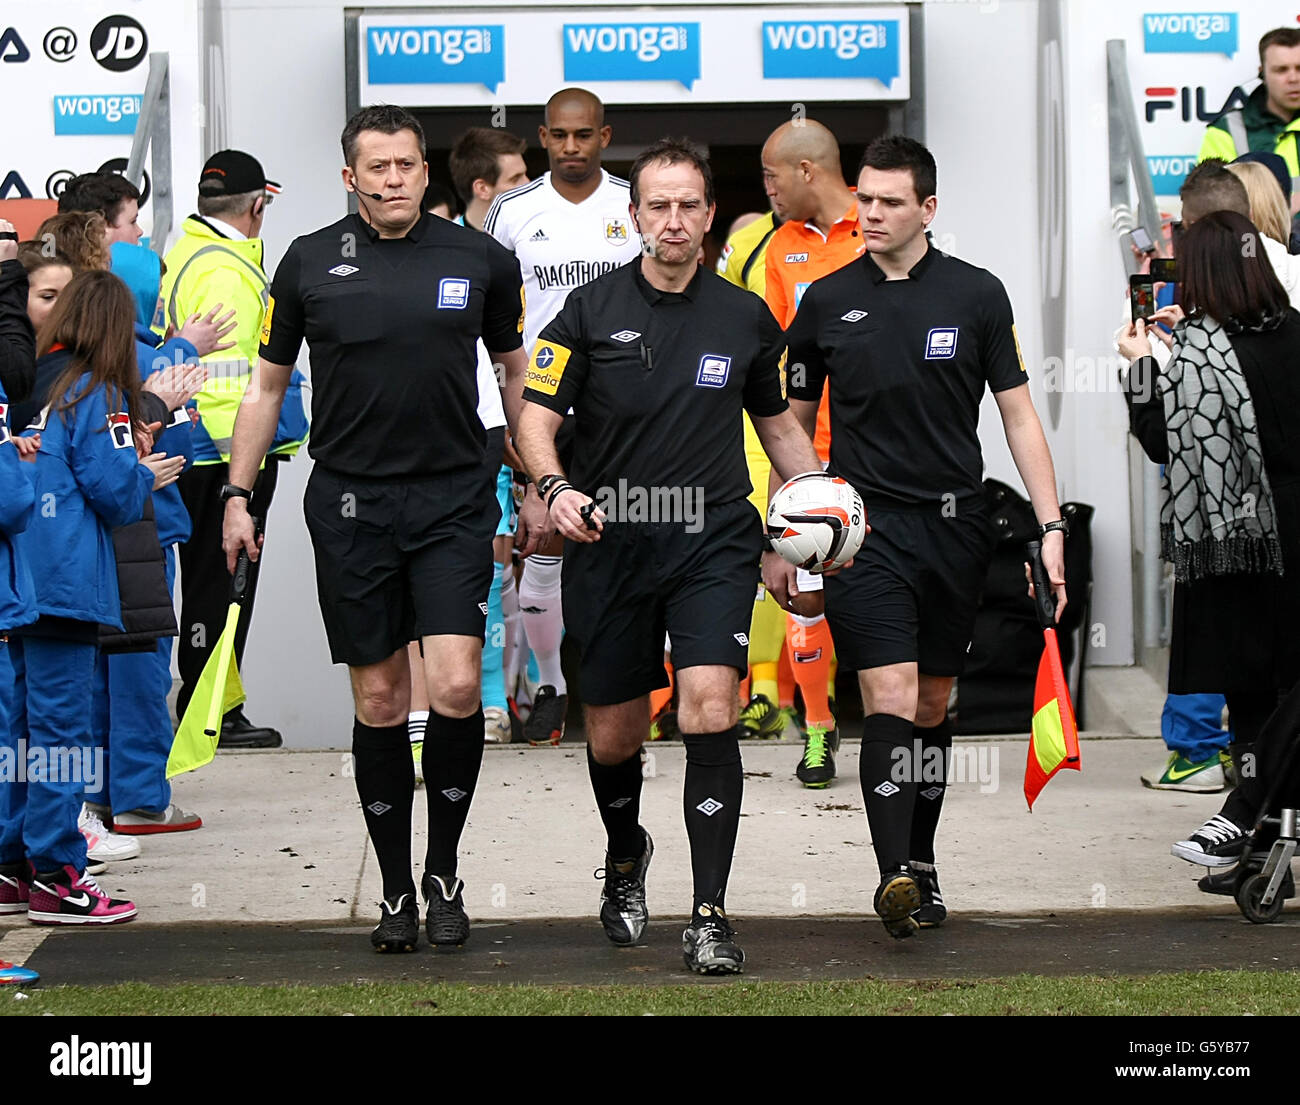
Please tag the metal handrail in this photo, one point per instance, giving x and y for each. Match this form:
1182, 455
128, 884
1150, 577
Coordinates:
153, 131
1128, 164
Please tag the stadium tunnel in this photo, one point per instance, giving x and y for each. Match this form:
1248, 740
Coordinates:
733, 134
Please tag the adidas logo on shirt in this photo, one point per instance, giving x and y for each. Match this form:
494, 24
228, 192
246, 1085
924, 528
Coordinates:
539, 235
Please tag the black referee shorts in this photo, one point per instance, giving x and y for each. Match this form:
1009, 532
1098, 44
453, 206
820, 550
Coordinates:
397, 560
641, 580
912, 592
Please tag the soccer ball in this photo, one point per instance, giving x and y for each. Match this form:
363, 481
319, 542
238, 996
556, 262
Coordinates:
816, 522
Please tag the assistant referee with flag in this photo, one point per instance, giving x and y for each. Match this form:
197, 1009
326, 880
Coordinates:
907, 338
401, 505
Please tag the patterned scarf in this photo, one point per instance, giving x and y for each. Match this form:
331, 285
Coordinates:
1216, 510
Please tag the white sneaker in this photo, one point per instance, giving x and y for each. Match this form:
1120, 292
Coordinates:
496, 725
103, 846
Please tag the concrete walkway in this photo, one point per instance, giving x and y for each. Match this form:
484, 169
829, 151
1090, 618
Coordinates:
283, 839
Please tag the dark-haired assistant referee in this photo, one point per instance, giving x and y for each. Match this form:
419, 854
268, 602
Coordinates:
908, 338
401, 506
658, 359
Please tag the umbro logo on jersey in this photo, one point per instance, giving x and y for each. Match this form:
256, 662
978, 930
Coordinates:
853, 316
483, 608
343, 270
538, 235
741, 639
626, 335
795, 258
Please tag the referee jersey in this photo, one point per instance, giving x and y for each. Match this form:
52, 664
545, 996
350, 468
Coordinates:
392, 326
657, 381
907, 362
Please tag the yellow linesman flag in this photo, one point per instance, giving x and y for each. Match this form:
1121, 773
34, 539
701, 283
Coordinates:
1054, 740
219, 690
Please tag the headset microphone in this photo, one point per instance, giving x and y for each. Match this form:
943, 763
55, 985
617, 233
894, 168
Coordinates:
375, 196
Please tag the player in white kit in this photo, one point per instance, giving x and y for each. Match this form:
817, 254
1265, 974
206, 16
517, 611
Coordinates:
568, 227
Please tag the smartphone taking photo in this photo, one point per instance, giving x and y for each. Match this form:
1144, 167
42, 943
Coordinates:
1141, 296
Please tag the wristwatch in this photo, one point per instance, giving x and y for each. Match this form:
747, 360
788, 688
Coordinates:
545, 484
1060, 524
232, 491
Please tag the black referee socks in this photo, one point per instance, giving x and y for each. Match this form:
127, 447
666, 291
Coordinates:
933, 785
888, 787
386, 786
617, 788
453, 754
711, 797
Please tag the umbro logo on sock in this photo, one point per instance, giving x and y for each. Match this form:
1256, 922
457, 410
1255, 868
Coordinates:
619, 803
454, 794
886, 789
539, 235
932, 793
378, 808
709, 807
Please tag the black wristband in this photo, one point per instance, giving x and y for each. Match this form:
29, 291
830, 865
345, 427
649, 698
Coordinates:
522, 479
231, 491
1059, 523
558, 489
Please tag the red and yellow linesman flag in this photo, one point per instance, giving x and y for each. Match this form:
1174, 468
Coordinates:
1054, 738
218, 691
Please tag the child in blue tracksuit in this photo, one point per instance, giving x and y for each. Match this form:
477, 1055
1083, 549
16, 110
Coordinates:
88, 478
17, 608
131, 719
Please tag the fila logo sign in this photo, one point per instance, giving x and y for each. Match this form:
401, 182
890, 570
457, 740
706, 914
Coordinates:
1161, 98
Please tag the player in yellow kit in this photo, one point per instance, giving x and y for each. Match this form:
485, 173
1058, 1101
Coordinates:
743, 263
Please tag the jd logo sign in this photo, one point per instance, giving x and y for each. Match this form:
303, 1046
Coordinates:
12, 47
118, 43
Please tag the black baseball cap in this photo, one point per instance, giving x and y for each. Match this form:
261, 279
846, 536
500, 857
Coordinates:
233, 172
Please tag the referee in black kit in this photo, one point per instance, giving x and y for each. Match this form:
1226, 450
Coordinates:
908, 338
658, 358
401, 506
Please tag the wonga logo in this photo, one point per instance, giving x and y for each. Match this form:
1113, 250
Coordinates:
96, 114
1167, 99
830, 49
1190, 33
632, 52
437, 55
1169, 172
